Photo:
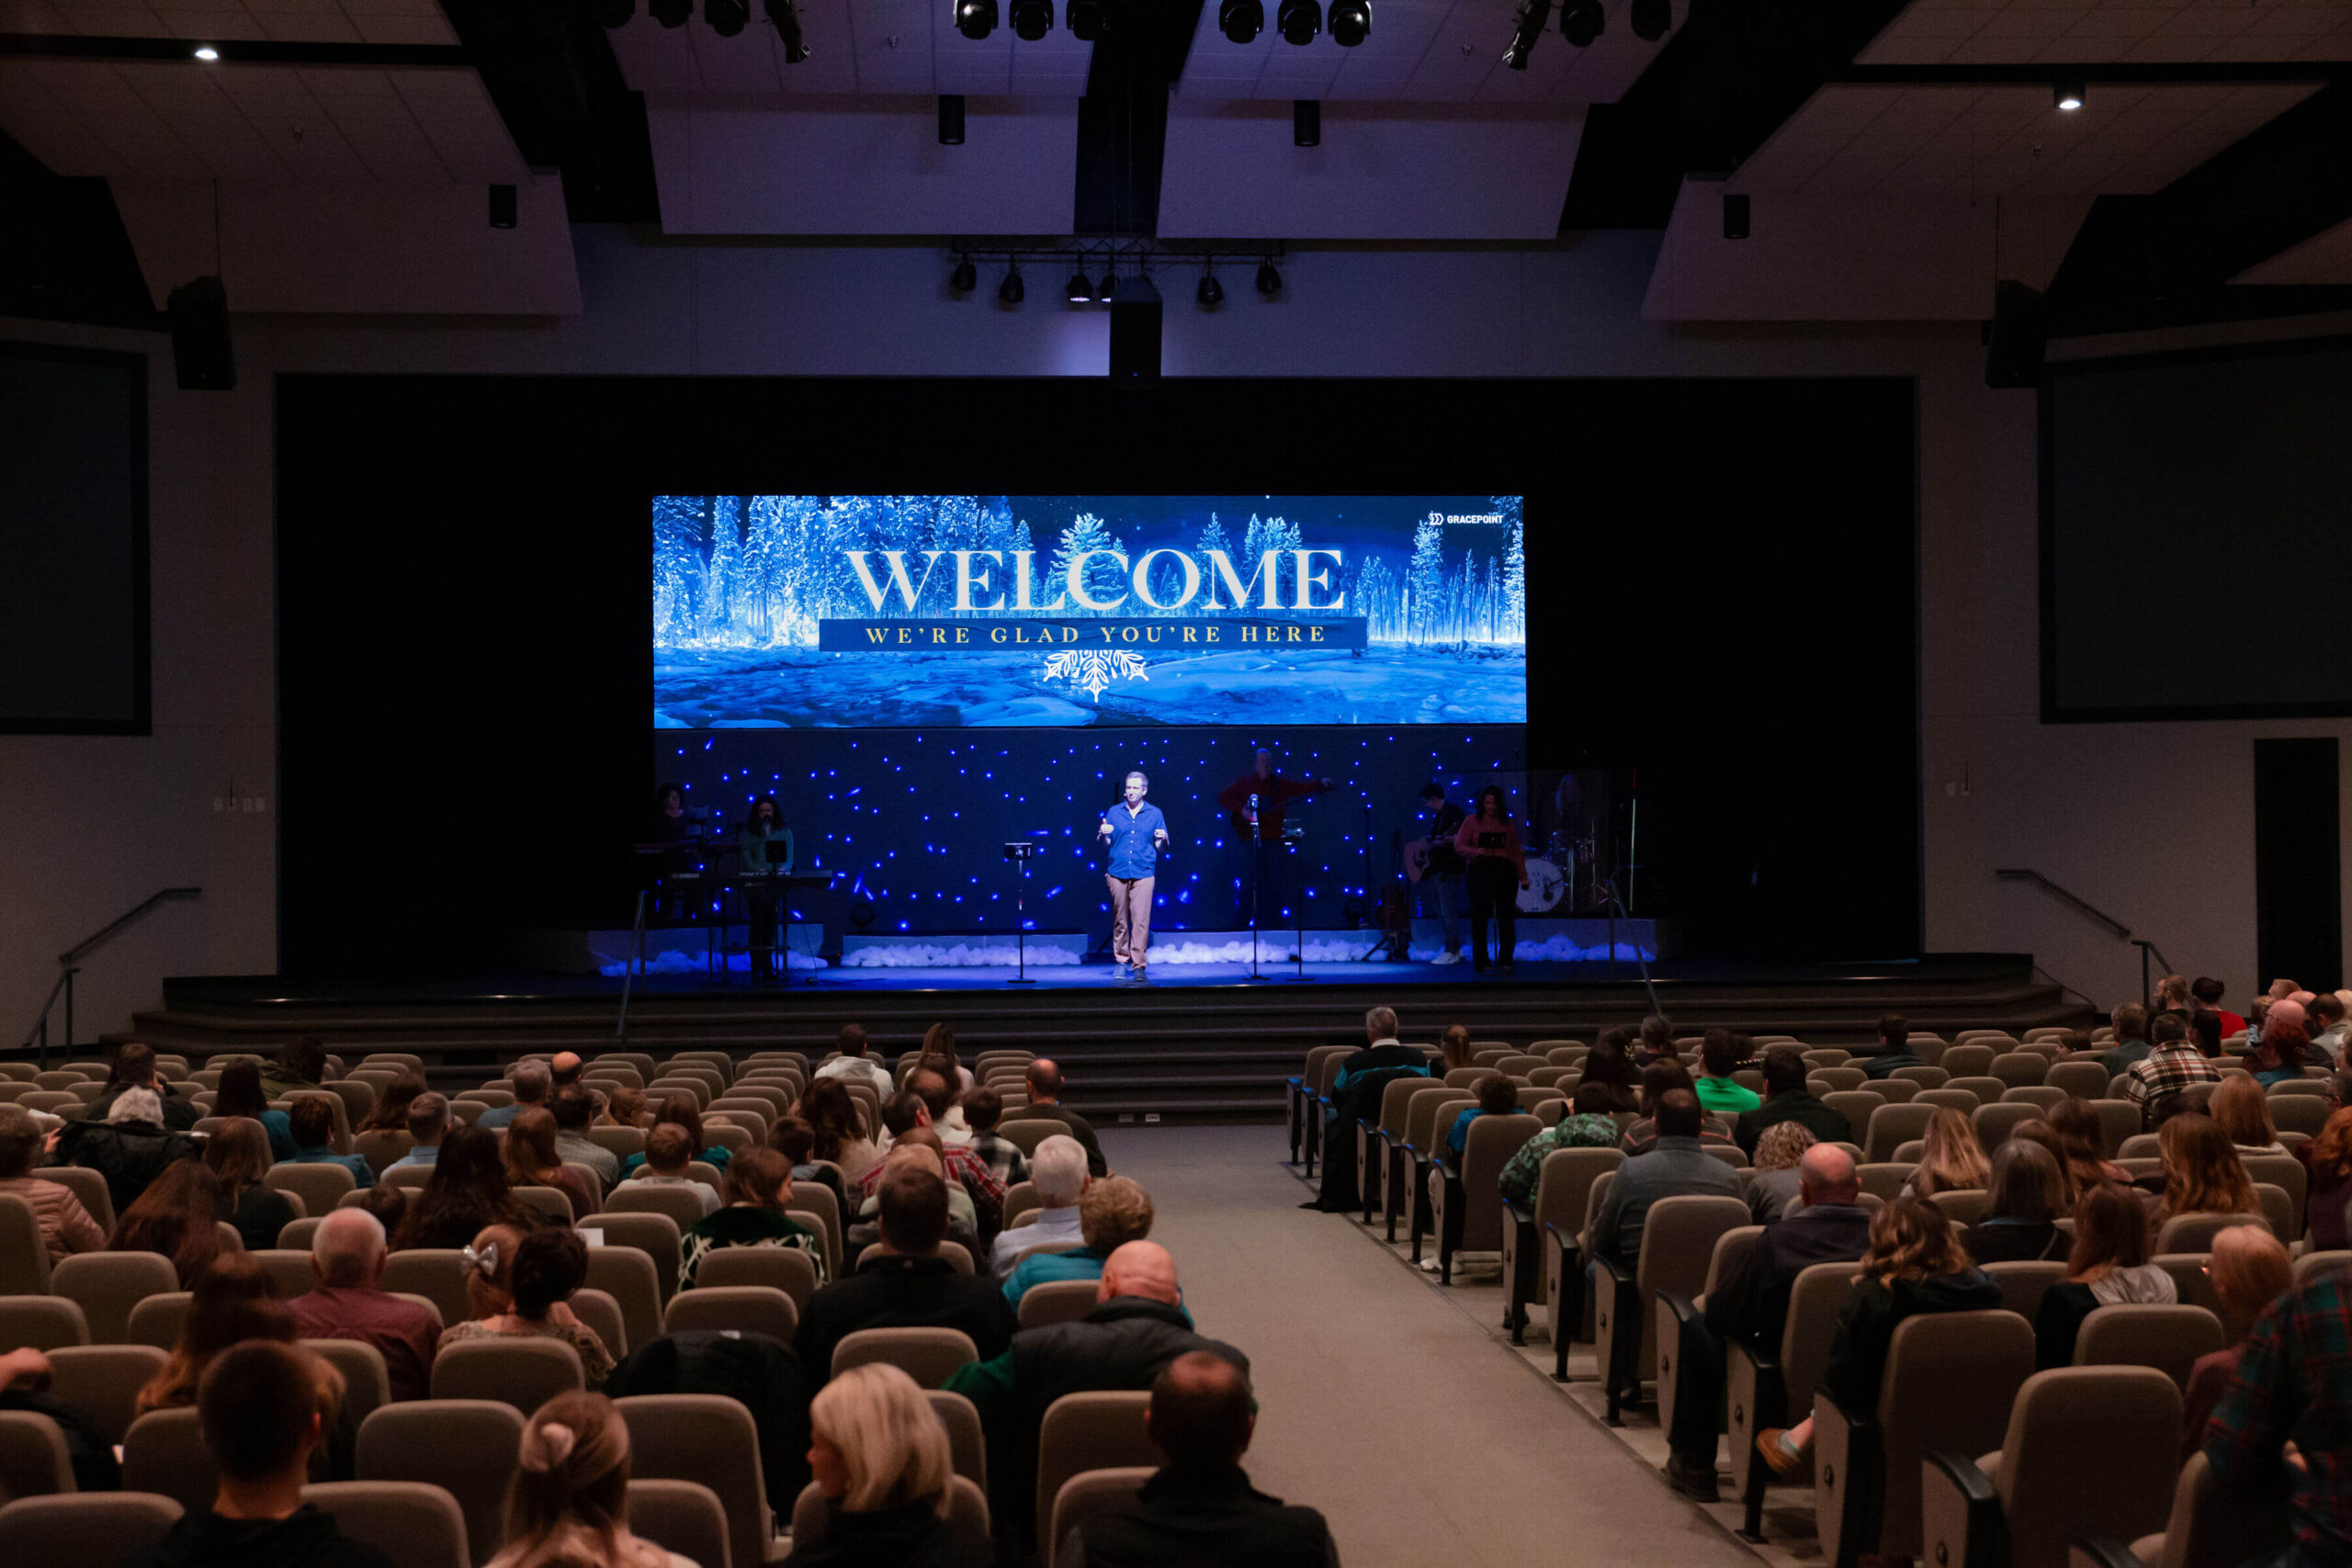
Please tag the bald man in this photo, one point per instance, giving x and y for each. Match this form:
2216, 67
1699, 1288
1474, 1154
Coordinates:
1138, 1326
1750, 1305
1045, 1078
350, 1303
1199, 1510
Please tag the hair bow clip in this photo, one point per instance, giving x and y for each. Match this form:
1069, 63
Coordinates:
484, 1261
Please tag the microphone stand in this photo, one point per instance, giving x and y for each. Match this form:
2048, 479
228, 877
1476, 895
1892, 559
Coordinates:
1257, 885
1299, 923
1020, 937
1616, 908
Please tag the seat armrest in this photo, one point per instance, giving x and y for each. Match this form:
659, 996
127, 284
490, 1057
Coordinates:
2103, 1552
1521, 1213
1618, 1279
1957, 1498
1683, 1307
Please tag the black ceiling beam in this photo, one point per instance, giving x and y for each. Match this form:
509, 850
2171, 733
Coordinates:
1123, 119
550, 69
232, 51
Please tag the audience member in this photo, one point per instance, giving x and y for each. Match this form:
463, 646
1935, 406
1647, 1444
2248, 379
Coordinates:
626, 1107
2327, 1012
677, 1110
668, 1149
796, 1140
1198, 1510
1677, 1166
855, 1063
881, 1459
134, 1069
921, 1146
2028, 1188
2172, 1064
230, 1303
177, 1216
1665, 1074
2205, 1033
1750, 1304
983, 1108
2242, 1112
2171, 998
2107, 1266
240, 1095
238, 1156
759, 1185
1914, 1264
964, 1169
1137, 1327
1774, 1188
348, 1301
2085, 1135
312, 1122
390, 1113
1362, 1078
841, 1137
2249, 1270
1893, 1053
1720, 1056
2285, 1421
301, 1065
534, 1082
1046, 1099
2286, 1045
2208, 991
2328, 1161
466, 1195
130, 1148
259, 1411
936, 1089
1654, 1042
66, 1226
520, 1286
428, 1122
1113, 1212
1787, 1099
938, 1055
2037, 1131
1454, 1048
1609, 1063
1058, 1176
568, 1504
2202, 1172
564, 1069
531, 1160
2131, 1044
1951, 1160
1588, 1126
1497, 1096
909, 1284
574, 1111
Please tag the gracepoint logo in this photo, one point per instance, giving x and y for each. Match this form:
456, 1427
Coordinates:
1467, 520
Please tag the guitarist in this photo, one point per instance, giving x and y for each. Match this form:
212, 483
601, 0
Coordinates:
1439, 880
1253, 812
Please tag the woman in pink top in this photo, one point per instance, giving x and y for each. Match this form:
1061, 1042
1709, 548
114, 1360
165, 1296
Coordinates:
1489, 840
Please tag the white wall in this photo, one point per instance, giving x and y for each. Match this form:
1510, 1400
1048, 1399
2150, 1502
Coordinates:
2151, 822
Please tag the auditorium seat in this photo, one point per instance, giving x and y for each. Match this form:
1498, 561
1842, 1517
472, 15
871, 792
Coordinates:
781, 1267
2211, 1526
1817, 1057
1993, 1122
627, 1276
87, 1185
109, 1285
1425, 1139
816, 1198
1761, 1394
102, 1382
708, 1438
602, 1312
2292, 1179
2018, 1068
1926, 1075
742, 1309
1669, 1309
2044, 1098
163, 1453
415, 1524
1963, 1206
967, 1513
1467, 1206
1968, 1058
1401, 1191
1836, 1080
2195, 1233
952, 1251
2087, 1079
1026, 1133
1057, 1300
1678, 1238
1556, 1209
1085, 1496
380, 1146
2300, 1113
1889, 1127
683, 1517
656, 1236
295, 1236
2118, 1118
436, 1273
1101, 1430
1987, 1088
927, 1355
523, 1371
618, 1142
2086, 1448
85, 1530
2165, 1339
24, 1255
466, 1447
41, 1323
1885, 1179
1020, 1200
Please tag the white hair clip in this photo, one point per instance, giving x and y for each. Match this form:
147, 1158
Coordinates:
484, 1262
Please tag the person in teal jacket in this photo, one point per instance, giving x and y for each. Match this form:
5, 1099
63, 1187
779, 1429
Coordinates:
767, 848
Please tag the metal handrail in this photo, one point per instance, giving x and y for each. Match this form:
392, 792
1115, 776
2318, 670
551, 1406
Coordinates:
106, 933
2120, 932
69, 964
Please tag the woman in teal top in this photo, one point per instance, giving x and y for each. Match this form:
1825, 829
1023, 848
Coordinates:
766, 846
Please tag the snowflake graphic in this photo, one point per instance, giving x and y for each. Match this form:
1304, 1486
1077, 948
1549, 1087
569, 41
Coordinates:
1094, 668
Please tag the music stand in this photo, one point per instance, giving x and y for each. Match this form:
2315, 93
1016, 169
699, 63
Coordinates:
1019, 852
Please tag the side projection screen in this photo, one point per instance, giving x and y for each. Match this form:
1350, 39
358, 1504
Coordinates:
948, 611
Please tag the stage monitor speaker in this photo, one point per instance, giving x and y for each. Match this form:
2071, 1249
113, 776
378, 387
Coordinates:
2019, 333
198, 309
1135, 331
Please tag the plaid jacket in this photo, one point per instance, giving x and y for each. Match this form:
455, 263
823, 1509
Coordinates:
2167, 1069
966, 1167
2294, 1383
1002, 1157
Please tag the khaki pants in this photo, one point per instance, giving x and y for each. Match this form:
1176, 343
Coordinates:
1130, 918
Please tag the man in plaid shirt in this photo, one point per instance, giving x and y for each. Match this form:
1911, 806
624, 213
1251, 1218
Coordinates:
2171, 1066
983, 1107
2294, 1383
910, 1107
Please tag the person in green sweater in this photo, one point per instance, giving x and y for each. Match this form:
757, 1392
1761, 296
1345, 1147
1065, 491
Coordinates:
766, 849
1719, 1058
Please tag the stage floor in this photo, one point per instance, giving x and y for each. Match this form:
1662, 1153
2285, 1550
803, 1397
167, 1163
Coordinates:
1172, 977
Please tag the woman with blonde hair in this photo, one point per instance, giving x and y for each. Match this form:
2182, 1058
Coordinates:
568, 1504
881, 1457
2249, 1270
2241, 1110
1773, 1193
1952, 1161
519, 1286
2203, 1174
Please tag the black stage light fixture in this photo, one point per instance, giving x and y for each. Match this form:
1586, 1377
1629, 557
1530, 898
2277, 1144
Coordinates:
1306, 122
1350, 22
1651, 19
1270, 282
951, 119
966, 277
1581, 21
616, 13
502, 206
1526, 30
1736, 215
2067, 93
1011, 291
670, 13
1089, 20
1211, 293
1298, 21
1032, 19
727, 17
785, 18
975, 19
1082, 289
1241, 21
2018, 337
202, 359
1134, 329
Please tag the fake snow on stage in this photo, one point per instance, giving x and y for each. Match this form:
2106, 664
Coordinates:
1551, 950
800, 688
961, 955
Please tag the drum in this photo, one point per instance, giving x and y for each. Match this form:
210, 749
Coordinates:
1545, 887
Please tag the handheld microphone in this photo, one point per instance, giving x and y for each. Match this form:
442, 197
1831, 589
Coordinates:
1253, 805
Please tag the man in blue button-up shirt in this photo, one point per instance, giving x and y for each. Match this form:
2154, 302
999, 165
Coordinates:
1135, 833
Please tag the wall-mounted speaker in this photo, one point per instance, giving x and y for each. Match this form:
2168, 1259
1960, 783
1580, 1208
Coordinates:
198, 311
2018, 337
1135, 331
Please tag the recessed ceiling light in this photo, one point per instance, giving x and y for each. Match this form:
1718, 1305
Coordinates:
205, 52
2068, 94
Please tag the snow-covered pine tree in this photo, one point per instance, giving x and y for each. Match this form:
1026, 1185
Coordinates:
1514, 590
1103, 578
1425, 583
679, 564
723, 582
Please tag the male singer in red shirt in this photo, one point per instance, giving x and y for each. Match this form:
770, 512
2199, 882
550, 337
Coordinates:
1256, 799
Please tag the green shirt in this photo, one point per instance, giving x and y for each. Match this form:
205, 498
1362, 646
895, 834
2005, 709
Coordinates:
760, 851
1726, 1098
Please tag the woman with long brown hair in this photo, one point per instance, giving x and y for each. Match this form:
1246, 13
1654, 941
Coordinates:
2028, 1188
2085, 1135
520, 1286
2328, 1158
233, 1300
2037, 1131
532, 1160
2107, 1266
466, 1193
1454, 1047
176, 1217
939, 1055
568, 1504
390, 1113
831, 1113
2242, 1111
2203, 1174
1953, 1160
238, 1155
240, 1094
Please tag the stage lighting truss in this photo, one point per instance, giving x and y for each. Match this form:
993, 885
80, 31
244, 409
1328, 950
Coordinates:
1095, 267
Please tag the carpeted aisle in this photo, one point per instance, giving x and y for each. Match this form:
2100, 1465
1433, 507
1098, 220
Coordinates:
1423, 1441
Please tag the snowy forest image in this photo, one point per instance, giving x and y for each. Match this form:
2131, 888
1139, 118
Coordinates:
1142, 599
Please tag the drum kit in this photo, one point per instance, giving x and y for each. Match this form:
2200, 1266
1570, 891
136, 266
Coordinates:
1550, 875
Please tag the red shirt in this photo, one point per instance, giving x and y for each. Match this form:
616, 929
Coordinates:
402, 1332
1271, 793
